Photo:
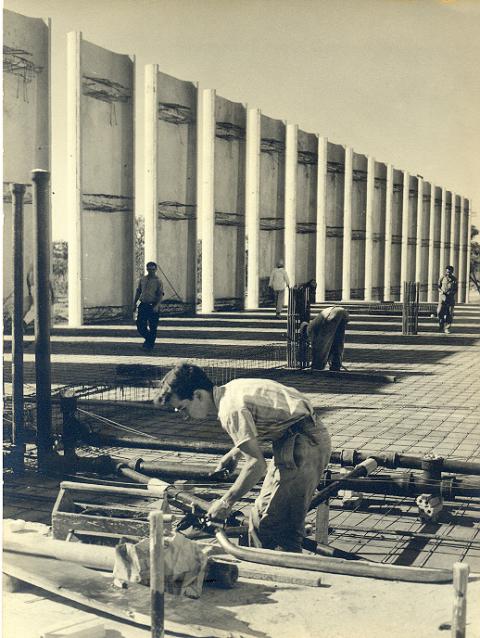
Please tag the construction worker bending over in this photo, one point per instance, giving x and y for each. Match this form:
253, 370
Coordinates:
327, 336
251, 411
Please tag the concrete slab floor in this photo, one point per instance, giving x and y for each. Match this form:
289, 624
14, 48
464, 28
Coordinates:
434, 407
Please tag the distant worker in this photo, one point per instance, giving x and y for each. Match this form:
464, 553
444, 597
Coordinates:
327, 337
278, 281
447, 289
149, 292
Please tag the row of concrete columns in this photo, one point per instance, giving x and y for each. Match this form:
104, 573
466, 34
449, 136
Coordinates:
422, 257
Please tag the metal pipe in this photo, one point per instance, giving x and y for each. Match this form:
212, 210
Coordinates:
362, 469
42, 315
334, 565
157, 575
408, 484
167, 470
393, 460
18, 427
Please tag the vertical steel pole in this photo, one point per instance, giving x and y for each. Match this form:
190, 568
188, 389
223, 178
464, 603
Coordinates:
157, 575
18, 426
41, 301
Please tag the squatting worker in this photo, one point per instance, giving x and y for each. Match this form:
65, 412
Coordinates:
278, 281
447, 289
251, 411
149, 292
326, 333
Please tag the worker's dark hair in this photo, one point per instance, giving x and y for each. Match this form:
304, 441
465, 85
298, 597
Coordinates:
450, 268
182, 380
151, 263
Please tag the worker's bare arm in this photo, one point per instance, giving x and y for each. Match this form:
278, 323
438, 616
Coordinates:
252, 471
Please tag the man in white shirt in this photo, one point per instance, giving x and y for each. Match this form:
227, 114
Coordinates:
278, 281
251, 411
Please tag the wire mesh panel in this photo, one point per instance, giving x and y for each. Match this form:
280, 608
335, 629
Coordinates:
298, 316
411, 290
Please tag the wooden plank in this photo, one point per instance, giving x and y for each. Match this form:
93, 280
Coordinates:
187, 617
63, 523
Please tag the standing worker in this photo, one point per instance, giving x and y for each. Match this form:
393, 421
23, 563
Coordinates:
278, 281
447, 289
250, 411
149, 292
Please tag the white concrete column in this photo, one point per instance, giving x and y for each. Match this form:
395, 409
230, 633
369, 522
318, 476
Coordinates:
205, 192
405, 219
321, 235
469, 248
387, 280
74, 180
443, 228
369, 229
462, 253
418, 247
451, 258
290, 234
431, 247
347, 224
151, 155
252, 207
133, 281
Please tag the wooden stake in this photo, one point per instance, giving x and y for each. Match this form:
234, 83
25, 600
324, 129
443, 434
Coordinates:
157, 574
459, 617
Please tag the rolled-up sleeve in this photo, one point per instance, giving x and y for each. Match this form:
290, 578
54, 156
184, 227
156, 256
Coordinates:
240, 426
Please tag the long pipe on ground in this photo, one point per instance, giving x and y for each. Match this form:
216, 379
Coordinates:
334, 565
394, 460
407, 484
345, 457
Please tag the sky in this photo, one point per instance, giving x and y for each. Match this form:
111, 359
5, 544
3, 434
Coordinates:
395, 79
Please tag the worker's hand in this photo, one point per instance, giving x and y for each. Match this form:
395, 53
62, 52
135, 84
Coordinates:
219, 510
156, 309
228, 463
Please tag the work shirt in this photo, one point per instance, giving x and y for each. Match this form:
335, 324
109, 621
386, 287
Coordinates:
279, 279
151, 289
447, 285
258, 408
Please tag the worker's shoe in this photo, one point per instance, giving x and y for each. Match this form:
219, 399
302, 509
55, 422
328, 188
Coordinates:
447, 330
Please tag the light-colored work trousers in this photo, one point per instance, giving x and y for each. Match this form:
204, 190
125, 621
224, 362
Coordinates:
279, 300
277, 518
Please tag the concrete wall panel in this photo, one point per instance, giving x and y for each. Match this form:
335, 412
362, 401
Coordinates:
379, 207
412, 228
359, 202
422, 276
272, 198
176, 188
334, 240
306, 206
107, 178
436, 241
26, 124
456, 216
397, 207
229, 241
